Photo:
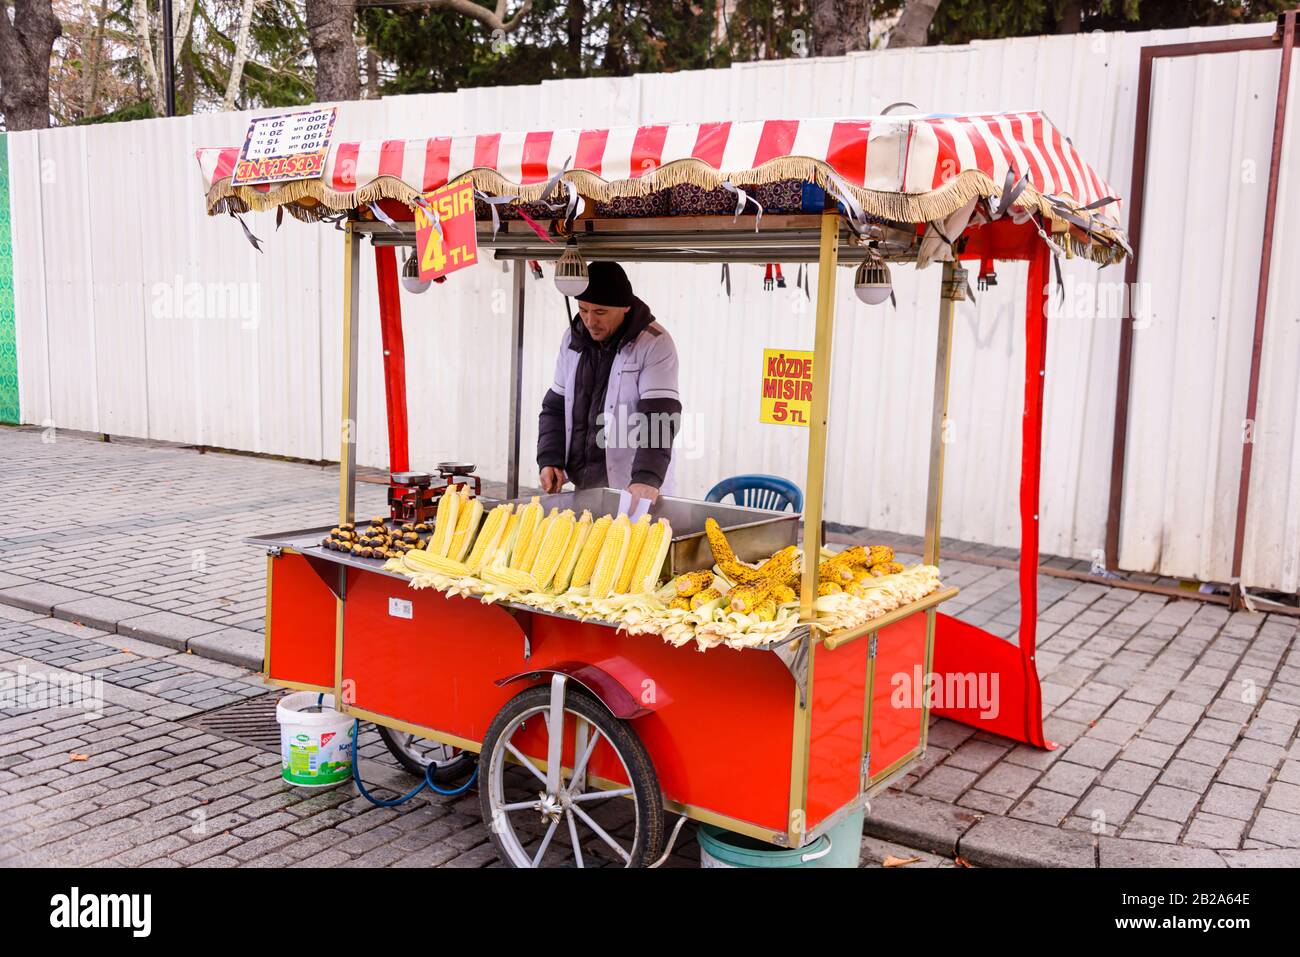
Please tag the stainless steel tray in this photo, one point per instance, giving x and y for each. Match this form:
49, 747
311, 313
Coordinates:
754, 533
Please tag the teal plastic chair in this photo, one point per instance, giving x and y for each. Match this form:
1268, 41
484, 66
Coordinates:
759, 491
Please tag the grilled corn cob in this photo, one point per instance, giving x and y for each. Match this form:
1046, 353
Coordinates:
444, 522
489, 537
886, 568
718, 542
740, 573
766, 610
880, 553
572, 550
613, 554
704, 597
530, 516
590, 552
783, 594
746, 598
552, 538
681, 603
469, 514
692, 583
829, 588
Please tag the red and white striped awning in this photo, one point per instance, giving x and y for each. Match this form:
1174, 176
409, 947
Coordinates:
901, 168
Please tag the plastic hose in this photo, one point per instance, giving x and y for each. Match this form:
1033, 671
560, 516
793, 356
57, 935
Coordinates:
393, 802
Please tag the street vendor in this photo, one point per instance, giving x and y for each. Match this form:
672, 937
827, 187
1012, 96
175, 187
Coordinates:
611, 414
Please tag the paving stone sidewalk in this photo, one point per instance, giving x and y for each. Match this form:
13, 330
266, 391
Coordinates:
1177, 721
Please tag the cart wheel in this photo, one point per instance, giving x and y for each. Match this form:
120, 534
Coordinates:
525, 808
415, 754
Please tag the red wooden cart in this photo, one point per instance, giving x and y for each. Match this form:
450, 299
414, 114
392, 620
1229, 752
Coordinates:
777, 742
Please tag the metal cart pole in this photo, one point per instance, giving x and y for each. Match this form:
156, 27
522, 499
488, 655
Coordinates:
516, 375
949, 293
348, 427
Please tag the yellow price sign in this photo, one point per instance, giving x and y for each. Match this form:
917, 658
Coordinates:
787, 387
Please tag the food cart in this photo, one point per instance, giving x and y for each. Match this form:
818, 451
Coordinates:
778, 740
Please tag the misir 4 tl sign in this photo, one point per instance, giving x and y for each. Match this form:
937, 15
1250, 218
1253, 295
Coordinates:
787, 387
450, 243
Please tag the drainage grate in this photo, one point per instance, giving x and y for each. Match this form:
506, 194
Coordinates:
250, 722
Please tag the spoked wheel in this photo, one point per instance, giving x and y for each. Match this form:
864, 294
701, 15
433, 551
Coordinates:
415, 754
539, 819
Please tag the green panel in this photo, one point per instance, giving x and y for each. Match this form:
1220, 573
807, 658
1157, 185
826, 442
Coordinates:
9, 411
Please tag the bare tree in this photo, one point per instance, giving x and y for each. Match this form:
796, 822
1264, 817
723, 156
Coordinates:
914, 23
150, 62
839, 26
334, 45
26, 42
93, 60
240, 56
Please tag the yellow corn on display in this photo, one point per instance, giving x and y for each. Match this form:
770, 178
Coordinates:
500, 558
572, 550
489, 537
649, 558
530, 517
552, 537
639, 531
704, 597
509, 578
778, 569
681, 603
718, 542
766, 610
833, 571
854, 556
590, 552
535, 541
886, 568
613, 553
418, 560
783, 594
692, 583
444, 522
880, 554
829, 588
469, 514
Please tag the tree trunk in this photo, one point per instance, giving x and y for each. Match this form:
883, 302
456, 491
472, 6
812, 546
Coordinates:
1070, 19
26, 42
575, 31
240, 57
329, 30
90, 100
914, 24
839, 26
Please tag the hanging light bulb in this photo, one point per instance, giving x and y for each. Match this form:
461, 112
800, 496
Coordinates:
571, 271
872, 283
411, 280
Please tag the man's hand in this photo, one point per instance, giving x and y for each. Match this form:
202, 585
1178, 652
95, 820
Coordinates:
553, 479
639, 491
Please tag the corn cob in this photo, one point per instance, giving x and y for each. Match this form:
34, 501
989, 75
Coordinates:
704, 597
829, 588
879, 554
692, 583
489, 537
740, 573
468, 516
780, 566
587, 558
745, 598
550, 550
500, 558
718, 542
832, 571
783, 594
766, 610
639, 532
613, 553
681, 603
650, 557
509, 578
418, 560
886, 568
444, 522
530, 516
572, 549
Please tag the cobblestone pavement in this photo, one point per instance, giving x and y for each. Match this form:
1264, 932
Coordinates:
1177, 721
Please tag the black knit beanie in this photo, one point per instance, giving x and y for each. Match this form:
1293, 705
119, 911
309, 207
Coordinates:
607, 285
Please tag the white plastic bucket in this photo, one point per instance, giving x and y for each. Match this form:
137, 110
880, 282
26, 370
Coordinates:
315, 740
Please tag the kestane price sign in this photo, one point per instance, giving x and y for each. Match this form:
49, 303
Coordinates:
285, 147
